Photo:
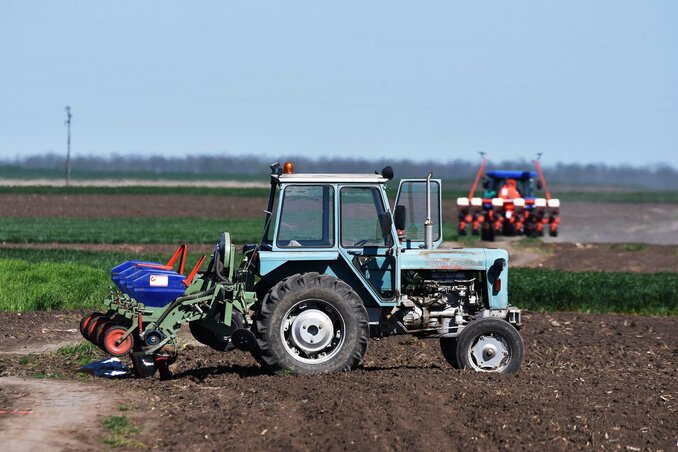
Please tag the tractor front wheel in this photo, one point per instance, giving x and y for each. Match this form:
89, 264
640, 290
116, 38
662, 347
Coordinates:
311, 323
490, 345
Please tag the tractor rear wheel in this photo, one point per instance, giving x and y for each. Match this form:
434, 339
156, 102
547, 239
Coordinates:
448, 345
490, 345
311, 323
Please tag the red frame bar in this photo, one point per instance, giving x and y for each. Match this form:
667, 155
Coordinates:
475, 182
181, 251
543, 181
190, 277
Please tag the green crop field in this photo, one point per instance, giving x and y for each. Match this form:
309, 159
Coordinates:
631, 293
17, 172
138, 190
638, 196
140, 230
127, 230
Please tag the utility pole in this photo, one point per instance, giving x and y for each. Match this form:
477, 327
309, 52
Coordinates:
68, 145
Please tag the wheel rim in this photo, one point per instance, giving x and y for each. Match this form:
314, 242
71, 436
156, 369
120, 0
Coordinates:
312, 331
490, 353
112, 336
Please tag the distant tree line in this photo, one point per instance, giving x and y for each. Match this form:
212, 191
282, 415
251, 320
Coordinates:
662, 177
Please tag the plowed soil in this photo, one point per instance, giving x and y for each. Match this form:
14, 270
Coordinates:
588, 381
116, 206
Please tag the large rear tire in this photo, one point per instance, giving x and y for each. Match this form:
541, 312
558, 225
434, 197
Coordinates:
311, 323
490, 345
448, 345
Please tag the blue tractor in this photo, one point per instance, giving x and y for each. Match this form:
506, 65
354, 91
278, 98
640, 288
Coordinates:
337, 264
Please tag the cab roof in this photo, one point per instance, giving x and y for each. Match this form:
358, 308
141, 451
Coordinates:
511, 174
330, 178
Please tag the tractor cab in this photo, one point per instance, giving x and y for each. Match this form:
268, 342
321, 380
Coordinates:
524, 182
344, 225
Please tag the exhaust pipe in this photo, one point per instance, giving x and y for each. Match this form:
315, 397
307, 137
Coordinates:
428, 224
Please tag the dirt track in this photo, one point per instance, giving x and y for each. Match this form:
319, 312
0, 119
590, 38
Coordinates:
589, 381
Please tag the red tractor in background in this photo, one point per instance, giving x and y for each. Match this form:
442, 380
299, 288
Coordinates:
509, 205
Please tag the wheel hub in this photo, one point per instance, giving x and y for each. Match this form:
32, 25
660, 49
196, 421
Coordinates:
311, 331
489, 352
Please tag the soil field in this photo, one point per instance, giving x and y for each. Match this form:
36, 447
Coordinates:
116, 206
588, 382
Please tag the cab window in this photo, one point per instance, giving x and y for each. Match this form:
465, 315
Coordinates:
412, 195
360, 223
307, 217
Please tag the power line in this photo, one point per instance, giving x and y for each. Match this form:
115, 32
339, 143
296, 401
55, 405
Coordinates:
68, 145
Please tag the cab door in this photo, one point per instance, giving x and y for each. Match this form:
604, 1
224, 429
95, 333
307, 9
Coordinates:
366, 239
410, 210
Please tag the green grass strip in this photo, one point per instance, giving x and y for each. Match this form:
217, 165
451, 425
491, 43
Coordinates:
62, 279
102, 260
127, 230
44, 286
629, 293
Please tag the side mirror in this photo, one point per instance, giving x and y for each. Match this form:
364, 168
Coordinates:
400, 219
386, 222
387, 172
493, 275
495, 270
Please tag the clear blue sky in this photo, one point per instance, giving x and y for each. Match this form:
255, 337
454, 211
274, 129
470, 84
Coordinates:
582, 81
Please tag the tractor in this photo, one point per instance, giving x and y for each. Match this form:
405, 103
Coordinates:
336, 265
509, 205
